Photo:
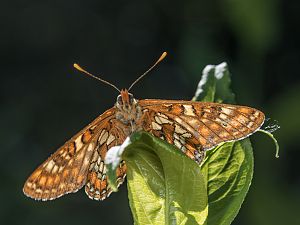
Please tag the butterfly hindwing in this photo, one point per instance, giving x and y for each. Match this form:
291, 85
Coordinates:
97, 187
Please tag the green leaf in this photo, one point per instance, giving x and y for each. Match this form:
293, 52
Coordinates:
164, 186
228, 170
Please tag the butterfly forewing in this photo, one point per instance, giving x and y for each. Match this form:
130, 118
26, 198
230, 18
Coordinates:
66, 170
198, 126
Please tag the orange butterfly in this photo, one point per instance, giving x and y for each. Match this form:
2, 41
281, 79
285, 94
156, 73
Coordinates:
193, 127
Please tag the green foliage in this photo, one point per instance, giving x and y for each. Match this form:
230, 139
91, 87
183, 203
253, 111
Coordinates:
214, 85
228, 170
166, 187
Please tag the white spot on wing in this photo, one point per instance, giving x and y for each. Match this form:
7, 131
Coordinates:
157, 119
101, 167
187, 126
90, 147
188, 110
187, 135
250, 124
55, 169
227, 111
179, 130
103, 137
110, 139
163, 120
155, 126
177, 143
256, 114
78, 142
50, 165
162, 115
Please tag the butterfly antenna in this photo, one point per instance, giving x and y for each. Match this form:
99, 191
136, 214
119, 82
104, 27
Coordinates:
163, 55
76, 66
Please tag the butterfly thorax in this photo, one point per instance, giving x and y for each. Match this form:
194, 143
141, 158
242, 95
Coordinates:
128, 110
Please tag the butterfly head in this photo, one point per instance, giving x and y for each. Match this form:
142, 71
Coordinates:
125, 100
128, 111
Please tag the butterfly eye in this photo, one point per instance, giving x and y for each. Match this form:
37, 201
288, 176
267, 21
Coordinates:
119, 100
130, 98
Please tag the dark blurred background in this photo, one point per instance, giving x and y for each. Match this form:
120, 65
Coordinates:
44, 101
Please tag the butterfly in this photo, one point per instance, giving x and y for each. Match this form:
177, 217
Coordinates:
193, 127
